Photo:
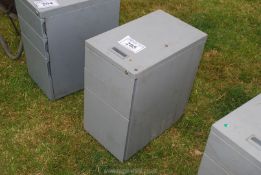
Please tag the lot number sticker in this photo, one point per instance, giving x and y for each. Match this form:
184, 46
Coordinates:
46, 3
131, 44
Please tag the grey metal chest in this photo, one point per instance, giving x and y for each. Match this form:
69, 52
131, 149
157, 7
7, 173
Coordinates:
234, 144
53, 34
138, 78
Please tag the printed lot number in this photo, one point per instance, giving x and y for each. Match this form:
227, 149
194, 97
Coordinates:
132, 44
46, 3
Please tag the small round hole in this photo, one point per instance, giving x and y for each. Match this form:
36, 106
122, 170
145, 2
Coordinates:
136, 70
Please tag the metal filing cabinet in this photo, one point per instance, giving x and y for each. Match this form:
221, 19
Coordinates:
234, 144
138, 78
53, 34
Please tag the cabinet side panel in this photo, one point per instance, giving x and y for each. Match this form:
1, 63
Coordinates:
189, 77
67, 33
161, 93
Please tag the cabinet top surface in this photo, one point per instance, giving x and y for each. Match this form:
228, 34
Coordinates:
47, 8
142, 43
243, 127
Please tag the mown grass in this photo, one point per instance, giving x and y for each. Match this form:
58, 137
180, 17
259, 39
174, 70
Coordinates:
38, 136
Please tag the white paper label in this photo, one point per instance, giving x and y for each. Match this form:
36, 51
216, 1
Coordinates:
131, 44
46, 3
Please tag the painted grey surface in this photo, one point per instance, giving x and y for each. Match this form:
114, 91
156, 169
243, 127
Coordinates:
31, 18
39, 43
231, 147
229, 157
160, 97
110, 84
187, 85
71, 29
151, 99
38, 67
106, 124
64, 5
209, 166
59, 37
161, 42
244, 122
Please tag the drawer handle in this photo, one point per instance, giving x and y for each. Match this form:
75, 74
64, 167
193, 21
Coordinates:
119, 52
256, 141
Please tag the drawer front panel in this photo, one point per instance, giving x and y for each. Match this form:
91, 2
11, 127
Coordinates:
31, 18
105, 124
210, 167
38, 67
229, 157
109, 83
39, 43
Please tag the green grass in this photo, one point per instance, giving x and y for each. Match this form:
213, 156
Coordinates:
38, 136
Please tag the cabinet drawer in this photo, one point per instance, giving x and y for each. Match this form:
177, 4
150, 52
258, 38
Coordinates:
31, 18
209, 166
38, 67
106, 124
225, 155
109, 83
39, 43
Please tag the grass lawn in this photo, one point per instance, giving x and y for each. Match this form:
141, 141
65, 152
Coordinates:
38, 136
